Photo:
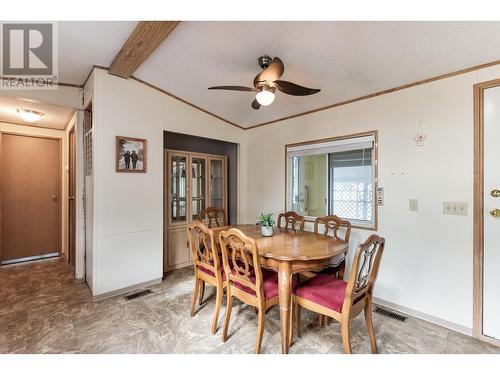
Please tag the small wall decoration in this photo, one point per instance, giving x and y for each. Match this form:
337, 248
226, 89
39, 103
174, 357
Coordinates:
420, 137
130, 155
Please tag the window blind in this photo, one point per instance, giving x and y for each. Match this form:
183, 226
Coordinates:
337, 146
352, 158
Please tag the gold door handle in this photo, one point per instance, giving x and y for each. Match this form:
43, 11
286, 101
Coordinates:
495, 212
495, 193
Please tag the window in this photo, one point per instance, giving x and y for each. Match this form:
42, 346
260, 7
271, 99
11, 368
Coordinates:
333, 177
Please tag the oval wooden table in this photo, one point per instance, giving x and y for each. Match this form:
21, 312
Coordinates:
288, 252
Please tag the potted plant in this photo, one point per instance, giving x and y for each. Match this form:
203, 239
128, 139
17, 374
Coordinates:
266, 223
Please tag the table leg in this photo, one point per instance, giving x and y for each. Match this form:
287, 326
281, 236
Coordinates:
285, 297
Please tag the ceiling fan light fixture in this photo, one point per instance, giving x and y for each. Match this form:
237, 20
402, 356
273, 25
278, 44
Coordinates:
28, 115
265, 96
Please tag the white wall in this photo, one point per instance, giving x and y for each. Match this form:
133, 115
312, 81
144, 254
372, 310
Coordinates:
128, 208
427, 264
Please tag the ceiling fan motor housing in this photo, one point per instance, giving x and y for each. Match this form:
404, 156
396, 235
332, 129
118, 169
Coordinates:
265, 61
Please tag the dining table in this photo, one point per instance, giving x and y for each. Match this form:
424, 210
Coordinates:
289, 252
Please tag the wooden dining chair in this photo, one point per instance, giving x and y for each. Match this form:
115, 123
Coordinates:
327, 295
292, 219
251, 285
332, 227
207, 267
213, 215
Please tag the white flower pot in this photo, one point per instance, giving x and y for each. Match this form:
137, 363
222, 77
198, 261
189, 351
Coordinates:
266, 231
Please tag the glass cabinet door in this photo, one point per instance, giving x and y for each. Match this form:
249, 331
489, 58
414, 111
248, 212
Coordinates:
178, 188
216, 183
198, 185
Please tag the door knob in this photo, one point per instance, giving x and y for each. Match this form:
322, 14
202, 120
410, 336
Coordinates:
54, 197
495, 193
495, 212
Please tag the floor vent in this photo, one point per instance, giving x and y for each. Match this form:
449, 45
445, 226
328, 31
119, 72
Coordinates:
138, 294
390, 314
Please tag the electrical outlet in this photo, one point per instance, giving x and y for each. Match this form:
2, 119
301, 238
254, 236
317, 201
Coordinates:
413, 205
455, 208
380, 196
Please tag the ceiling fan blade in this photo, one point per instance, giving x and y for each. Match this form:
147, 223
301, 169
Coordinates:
271, 73
291, 88
255, 104
233, 88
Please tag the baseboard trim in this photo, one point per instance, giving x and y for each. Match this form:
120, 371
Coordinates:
132, 288
420, 315
78, 280
29, 259
489, 340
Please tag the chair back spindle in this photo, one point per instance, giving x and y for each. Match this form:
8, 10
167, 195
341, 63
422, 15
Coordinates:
292, 221
332, 225
239, 254
213, 215
364, 270
203, 248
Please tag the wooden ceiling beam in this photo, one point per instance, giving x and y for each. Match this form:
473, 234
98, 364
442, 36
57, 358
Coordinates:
141, 43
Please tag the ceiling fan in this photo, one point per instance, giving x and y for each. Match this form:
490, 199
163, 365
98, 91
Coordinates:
267, 81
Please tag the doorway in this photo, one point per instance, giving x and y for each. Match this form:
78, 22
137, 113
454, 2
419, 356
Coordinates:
30, 200
71, 197
486, 325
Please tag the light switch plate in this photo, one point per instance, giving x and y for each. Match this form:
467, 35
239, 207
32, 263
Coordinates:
413, 204
455, 208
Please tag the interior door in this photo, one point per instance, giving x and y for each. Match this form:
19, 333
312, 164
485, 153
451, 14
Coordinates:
491, 266
30, 196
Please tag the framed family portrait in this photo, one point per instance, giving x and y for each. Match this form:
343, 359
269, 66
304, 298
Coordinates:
130, 155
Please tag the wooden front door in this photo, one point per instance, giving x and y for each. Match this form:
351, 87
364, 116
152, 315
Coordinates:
71, 197
30, 183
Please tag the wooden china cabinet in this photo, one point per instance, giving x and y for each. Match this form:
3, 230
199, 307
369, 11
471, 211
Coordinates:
193, 182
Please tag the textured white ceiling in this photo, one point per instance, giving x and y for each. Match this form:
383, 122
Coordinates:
85, 44
54, 116
344, 59
81, 46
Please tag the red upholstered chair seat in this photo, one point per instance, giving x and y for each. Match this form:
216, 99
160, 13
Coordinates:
211, 273
325, 290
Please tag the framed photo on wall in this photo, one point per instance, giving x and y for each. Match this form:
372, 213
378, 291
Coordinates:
131, 155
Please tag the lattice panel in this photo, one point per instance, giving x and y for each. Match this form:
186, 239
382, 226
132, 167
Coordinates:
353, 200
88, 147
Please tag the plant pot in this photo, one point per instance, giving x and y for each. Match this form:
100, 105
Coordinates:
266, 231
